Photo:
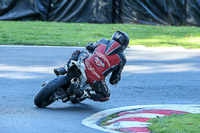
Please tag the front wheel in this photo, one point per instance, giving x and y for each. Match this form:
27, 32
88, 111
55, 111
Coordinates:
44, 97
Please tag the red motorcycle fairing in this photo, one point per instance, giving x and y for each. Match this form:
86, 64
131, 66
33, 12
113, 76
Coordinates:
103, 60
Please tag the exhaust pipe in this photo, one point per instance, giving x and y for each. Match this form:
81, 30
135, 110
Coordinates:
74, 86
75, 81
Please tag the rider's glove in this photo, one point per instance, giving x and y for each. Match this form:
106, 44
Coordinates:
114, 79
89, 47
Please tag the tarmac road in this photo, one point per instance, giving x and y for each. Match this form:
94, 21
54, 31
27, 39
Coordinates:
151, 76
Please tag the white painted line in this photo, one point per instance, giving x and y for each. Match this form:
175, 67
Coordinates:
132, 47
124, 124
144, 48
32, 46
144, 115
92, 120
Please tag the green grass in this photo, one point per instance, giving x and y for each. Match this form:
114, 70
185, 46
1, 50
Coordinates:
79, 34
104, 121
182, 123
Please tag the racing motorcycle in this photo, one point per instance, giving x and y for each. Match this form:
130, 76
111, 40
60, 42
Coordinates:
65, 87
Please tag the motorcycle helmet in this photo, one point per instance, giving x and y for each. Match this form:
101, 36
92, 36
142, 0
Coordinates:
122, 38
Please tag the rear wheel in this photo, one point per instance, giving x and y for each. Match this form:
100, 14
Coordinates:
46, 95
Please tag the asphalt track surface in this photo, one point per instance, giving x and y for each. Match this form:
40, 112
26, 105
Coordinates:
151, 76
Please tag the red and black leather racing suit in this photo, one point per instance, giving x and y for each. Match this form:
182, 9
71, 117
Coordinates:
107, 56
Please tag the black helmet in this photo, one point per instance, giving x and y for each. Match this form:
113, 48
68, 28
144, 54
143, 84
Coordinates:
122, 38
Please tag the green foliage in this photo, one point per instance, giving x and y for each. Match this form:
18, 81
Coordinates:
79, 34
105, 122
182, 123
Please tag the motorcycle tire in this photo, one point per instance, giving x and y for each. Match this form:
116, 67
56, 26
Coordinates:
41, 99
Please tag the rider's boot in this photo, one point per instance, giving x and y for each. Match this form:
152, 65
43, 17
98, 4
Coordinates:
82, 94
60, 71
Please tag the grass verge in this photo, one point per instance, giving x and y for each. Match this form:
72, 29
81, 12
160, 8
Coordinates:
182, 123
79, 34
105, 121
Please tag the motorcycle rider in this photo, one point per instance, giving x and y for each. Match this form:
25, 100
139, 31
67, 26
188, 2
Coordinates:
106, 57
